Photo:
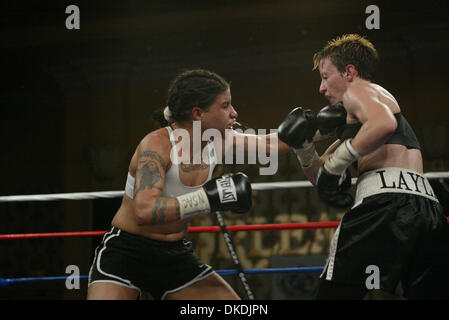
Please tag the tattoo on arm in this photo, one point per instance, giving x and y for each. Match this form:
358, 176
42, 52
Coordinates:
149, 170
154, 212
150, 166
153, 155
178, 210
158, 212
162, 211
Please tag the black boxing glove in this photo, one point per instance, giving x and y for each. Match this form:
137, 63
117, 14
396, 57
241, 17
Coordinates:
229, 192
332, 181
298, 128
331, 120
334, 190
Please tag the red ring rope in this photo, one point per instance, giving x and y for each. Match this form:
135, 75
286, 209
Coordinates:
268, 227
253, 227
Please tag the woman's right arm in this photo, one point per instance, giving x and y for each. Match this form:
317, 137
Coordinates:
311, 172
150, 207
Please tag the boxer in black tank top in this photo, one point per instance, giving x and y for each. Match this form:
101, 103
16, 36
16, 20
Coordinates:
395, 237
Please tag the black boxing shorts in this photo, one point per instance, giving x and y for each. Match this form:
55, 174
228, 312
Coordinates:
136, 262
397, 225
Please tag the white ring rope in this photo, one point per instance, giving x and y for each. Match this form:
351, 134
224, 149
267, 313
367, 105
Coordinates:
63, 196
117, 194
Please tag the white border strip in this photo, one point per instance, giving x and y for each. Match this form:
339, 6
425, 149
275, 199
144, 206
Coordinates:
203, 275
118, 194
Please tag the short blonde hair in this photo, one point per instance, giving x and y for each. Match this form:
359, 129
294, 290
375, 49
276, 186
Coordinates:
350, 49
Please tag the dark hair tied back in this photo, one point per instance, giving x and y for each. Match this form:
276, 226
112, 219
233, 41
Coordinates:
192, 88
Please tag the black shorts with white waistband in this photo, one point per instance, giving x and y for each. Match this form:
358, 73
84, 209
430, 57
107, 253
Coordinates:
404, 236
157, 267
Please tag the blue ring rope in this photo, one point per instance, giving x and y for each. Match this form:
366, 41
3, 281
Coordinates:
226, 272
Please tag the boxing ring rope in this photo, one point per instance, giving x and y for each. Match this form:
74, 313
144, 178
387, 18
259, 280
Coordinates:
117, 194
225, 272
257, 186
254, 227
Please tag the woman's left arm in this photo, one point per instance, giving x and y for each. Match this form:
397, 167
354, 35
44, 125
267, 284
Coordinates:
252, 142
378, 121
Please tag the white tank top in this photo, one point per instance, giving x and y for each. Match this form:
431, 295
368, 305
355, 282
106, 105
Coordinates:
173, 186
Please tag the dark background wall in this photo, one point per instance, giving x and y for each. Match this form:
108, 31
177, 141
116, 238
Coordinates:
75, 103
